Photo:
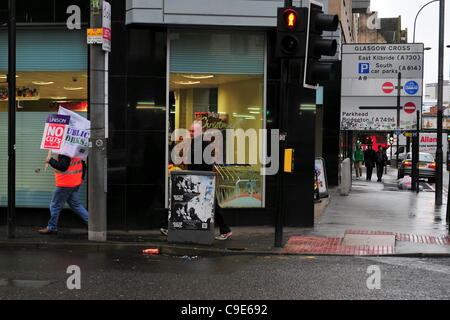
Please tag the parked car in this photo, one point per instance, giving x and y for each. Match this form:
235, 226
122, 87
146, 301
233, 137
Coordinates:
427, 167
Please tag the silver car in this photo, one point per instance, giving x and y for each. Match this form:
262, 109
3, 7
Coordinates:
427, 167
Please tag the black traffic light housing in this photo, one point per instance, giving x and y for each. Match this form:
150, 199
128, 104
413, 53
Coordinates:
317, 46
292, 25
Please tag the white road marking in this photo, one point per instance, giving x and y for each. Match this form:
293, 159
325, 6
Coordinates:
412, 263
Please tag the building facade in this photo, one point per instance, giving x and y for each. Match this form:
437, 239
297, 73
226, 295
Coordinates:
172, 62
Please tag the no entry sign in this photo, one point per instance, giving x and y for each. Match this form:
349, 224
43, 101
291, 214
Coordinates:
388, 87
55, 131
409, 107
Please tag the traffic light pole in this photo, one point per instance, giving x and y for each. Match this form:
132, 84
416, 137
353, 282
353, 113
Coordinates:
399, 92
284, 76
11, 211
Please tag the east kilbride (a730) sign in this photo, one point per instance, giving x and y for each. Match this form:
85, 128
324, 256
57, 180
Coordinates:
370, 86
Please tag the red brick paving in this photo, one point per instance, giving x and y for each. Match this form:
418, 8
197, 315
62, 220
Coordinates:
320, 245
317, 245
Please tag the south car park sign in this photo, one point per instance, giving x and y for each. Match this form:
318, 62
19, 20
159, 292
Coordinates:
370, 86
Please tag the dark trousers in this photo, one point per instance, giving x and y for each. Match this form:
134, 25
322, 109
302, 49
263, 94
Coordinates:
369, 173
220, 221
380, 169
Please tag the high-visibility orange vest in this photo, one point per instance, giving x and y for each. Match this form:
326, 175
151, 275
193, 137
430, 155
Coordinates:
73, 177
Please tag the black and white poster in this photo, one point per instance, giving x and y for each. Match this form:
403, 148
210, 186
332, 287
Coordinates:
191, 201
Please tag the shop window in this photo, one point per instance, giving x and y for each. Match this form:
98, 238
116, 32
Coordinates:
52, 74
217, 79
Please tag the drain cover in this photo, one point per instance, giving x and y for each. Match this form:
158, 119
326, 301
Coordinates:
368, 240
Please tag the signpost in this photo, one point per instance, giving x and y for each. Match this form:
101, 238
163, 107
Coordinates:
369, 99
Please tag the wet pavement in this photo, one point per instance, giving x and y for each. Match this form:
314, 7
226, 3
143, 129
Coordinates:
126, 275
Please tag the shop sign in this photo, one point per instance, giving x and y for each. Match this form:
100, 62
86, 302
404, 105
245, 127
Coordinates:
95, 36
55, 131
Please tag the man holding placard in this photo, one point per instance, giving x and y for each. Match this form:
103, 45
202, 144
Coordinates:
66, 134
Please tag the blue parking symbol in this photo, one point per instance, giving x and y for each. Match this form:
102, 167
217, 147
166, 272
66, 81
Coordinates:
364, 68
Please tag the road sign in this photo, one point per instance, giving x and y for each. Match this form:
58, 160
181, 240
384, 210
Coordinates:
377, 87
369, 91
388, 87
106, 23
377, 113
409, 107
411, 87
382, 61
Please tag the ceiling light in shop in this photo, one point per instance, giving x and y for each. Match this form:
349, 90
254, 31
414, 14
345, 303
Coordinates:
256, 109
198, 76
255, 112
186, 82
42, 83
58, 98
4, 76
73, 88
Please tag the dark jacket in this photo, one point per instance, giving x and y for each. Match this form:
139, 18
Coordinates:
370, 158
63, 163
380, 157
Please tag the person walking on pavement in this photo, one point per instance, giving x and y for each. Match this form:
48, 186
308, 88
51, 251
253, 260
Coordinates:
69, 175
369, 161
358, 159
381, 160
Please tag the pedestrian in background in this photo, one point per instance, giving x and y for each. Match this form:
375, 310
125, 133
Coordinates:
369, 161
358, 160
381, 160
69, 175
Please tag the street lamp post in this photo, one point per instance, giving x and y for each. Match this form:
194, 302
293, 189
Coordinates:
439, 153
417, 15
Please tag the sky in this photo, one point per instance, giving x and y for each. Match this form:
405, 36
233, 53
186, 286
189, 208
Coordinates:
427, 29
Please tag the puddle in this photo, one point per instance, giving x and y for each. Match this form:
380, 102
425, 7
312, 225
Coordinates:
25, 283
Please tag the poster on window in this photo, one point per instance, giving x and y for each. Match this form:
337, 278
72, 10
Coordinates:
55, 132
319, 168
192, 200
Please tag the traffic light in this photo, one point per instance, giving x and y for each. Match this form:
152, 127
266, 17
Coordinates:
291, 32
448, 137
317, 46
